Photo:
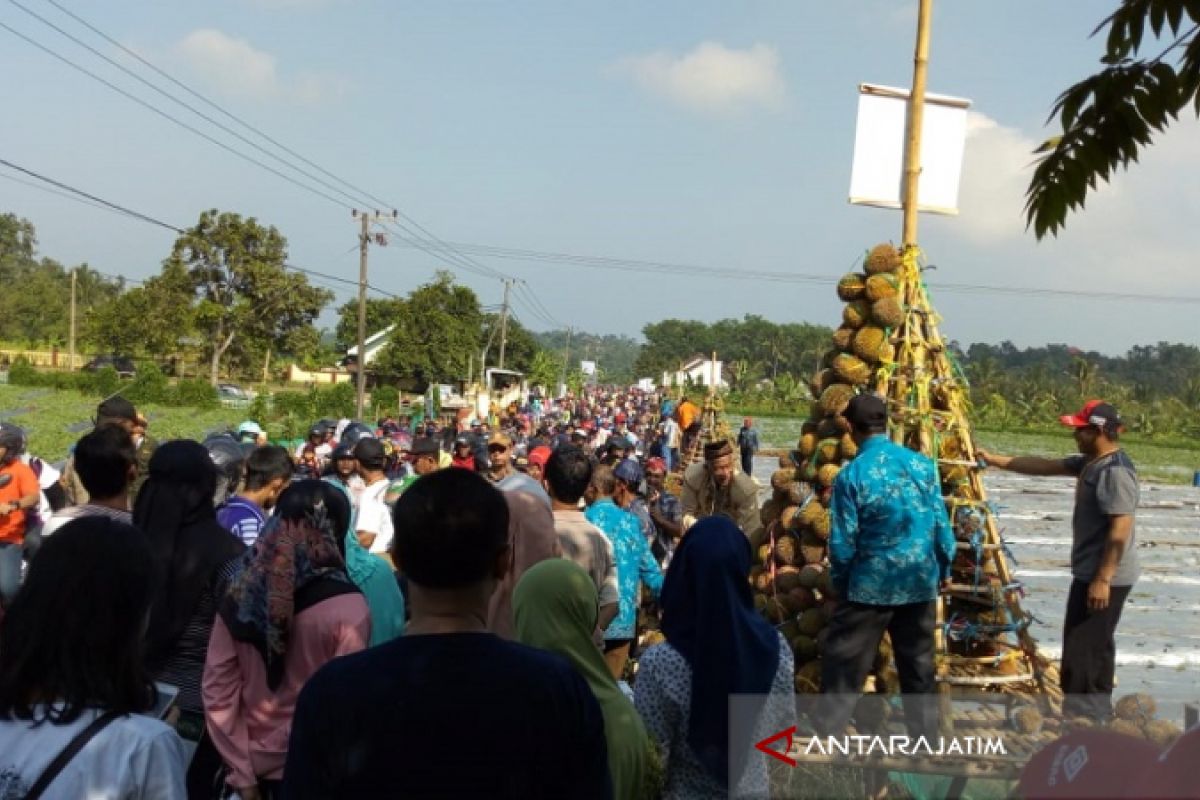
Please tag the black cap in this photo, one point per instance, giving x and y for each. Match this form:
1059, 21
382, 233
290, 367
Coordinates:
867, 412
369, 453
343, 451
423, 446
116, 407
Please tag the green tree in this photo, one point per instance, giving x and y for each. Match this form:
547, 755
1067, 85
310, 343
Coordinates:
381, 312
237, 269
1109, 116
146, 320
438, 330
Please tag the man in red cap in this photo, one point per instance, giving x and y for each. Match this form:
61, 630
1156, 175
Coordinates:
1104, 564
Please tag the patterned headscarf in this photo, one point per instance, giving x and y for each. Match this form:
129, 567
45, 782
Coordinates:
293, 565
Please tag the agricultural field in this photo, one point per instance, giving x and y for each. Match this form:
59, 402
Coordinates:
1160, 460
55, 419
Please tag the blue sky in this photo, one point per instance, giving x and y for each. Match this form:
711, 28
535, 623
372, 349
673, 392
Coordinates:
716, 134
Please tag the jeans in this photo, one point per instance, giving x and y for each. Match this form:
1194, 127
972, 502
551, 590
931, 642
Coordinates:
854, 634
1089, 654
10, 570
747, 460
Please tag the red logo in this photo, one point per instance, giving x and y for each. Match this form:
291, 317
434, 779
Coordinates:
765, 746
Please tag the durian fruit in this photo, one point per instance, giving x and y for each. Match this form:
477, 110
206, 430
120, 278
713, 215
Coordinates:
827, 451
808, 426
827, 472
781, 479
819, 381
953, 473
769, 512
787, 518
1126, 727
868, 343
887, 313
810, 575
1137, 708
801, 599
789, 629
809, 471
832, 427
809, 515
855, 314
824, 585
798, 493
764, 552
823, 526
851, 286
762, 581
835, 398
950, 447
807, 444
884, 284
808, 678
1162, 732
851, 369
804, 648
812, 547
760, 603
775, 610
847, 449
842, 337
882, 258
811, 622
787, 577
1027, 719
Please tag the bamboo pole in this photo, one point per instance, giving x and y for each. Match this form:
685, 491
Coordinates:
916, 117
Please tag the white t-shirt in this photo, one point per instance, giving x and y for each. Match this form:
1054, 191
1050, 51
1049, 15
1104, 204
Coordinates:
65, 515
374, 516
135, 757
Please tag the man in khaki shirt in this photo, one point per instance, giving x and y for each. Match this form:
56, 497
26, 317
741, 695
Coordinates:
715, 488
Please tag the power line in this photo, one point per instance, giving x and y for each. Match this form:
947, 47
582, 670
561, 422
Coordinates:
119, 209
669, 268
422, 236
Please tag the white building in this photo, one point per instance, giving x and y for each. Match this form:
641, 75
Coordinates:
699, 370
373, 344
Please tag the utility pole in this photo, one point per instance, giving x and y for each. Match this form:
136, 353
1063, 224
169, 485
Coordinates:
71, 335
364, 240
566, 359
504, 321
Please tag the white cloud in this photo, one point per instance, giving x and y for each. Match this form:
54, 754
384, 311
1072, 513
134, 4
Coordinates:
711, 78
236, 68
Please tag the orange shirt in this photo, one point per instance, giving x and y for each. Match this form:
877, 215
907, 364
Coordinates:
23, 484
688, 412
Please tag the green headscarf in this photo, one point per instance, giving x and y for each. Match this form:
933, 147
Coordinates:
555, 608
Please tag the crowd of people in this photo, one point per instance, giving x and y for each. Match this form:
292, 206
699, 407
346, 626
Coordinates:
450, 609
331, 618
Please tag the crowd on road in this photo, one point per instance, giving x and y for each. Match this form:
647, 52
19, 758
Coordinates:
455, 607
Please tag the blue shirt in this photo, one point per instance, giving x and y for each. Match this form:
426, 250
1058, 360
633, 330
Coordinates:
241, 517
634, 562
891, 542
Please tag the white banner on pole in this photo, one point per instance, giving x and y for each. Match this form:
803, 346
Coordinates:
877, 176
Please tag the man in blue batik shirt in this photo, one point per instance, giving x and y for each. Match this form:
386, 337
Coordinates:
635, 565
890, 549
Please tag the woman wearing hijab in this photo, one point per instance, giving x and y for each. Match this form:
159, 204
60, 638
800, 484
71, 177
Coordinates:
291, 609
533, 539
195, 558
555, 608
716, 645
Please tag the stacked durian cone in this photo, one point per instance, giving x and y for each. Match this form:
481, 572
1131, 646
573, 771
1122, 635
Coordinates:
888, 343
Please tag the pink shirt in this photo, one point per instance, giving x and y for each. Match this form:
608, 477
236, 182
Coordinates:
250, 724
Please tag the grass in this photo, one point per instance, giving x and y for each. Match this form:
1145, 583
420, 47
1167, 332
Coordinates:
1160, 460
54, 420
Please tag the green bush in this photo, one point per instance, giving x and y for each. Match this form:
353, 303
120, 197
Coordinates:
335, 401
106, 381
21, 374
385, 400
150, 386
195, 392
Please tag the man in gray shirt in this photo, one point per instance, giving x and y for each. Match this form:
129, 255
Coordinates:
1104, 563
